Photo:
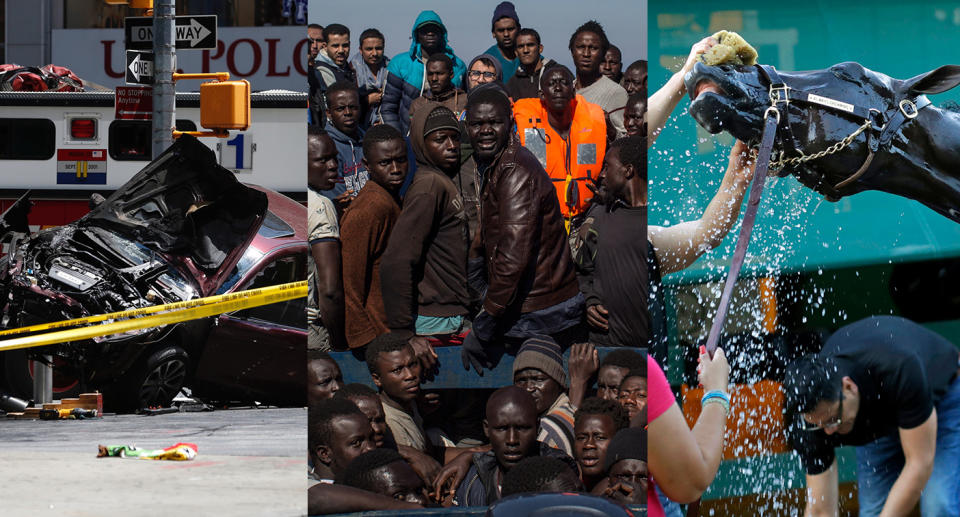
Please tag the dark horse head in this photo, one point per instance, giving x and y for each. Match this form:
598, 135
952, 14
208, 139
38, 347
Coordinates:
918, 158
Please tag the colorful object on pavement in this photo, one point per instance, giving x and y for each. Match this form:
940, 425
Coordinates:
177, 452
72, 414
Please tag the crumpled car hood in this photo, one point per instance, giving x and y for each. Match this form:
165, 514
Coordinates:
187, 207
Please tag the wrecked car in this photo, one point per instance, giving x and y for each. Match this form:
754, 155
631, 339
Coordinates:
182, 228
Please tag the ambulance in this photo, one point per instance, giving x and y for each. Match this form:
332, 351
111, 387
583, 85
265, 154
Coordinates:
67, 146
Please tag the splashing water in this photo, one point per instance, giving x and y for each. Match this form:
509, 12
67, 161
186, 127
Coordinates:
756, 349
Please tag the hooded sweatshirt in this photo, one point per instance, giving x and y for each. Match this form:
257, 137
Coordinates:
525, 85
424, 269
496, 68
351, 173
368, 83
320, 77
407, 74
329, 72
455, 99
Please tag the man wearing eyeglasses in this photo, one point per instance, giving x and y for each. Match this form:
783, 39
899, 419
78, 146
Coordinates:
483, 69
889, 387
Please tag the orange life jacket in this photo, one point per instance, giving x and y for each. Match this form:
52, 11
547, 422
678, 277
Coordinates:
573, 163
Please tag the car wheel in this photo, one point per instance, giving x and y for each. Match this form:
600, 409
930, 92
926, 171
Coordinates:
153, 382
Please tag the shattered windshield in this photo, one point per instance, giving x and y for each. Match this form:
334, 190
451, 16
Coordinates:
247, 261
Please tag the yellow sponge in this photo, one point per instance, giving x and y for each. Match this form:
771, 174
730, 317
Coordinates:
732, 50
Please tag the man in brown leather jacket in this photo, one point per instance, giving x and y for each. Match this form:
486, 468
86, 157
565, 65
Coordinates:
531, 287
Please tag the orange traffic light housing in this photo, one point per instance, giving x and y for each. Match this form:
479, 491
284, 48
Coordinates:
225, 105
135, 4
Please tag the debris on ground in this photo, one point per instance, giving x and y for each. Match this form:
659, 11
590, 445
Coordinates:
87, 405
68, 414
177, 452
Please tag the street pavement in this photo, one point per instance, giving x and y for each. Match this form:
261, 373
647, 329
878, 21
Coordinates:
250, 462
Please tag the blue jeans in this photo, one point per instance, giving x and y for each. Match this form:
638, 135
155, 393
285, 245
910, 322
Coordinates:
880, 462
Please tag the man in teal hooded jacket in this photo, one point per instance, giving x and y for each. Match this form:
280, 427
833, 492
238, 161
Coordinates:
406, 71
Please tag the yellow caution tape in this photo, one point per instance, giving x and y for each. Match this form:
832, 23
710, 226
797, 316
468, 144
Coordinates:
130, 313
176, 314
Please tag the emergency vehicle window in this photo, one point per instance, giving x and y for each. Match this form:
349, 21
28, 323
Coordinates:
27, 139
132, 140
292, 268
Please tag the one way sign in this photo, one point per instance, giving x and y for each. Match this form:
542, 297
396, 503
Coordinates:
192, 32
139, 67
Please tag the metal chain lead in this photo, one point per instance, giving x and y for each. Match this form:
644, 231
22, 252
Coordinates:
781, 162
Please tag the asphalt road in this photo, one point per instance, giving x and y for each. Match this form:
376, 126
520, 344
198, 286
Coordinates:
249, 462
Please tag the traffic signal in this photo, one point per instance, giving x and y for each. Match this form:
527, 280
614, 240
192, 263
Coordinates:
225, 105
135, 4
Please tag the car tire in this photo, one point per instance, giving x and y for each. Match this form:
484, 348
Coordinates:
152, 382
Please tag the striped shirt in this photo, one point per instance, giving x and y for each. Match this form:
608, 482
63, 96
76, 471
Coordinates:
556, 425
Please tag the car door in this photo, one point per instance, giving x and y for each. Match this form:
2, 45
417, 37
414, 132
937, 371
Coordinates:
259, 353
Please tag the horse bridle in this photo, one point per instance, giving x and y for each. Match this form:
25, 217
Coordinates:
879, 126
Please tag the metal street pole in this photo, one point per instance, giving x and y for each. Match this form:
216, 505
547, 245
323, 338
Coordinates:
43, 381
164, 96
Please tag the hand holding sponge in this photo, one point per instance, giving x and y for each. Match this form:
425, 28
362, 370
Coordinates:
732, 49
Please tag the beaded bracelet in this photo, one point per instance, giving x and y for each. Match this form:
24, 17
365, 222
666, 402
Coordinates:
717, 397
717, 400
716, 394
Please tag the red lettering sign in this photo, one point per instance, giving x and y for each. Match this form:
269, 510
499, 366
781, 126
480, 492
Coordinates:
257, 57
72, 155
267, 57
134, 103
272, 55
207, 57
299, 57
108, 60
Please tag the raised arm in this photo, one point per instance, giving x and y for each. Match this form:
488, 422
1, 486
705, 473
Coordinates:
662, 103
680, 245
682, 465
683, 461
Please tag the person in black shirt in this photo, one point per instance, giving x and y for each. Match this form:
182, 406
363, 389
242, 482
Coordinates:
891, 388
610, 250
525, 82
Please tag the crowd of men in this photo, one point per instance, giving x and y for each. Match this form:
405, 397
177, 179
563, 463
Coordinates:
496, 205
397, 447
481, 204
488, 205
